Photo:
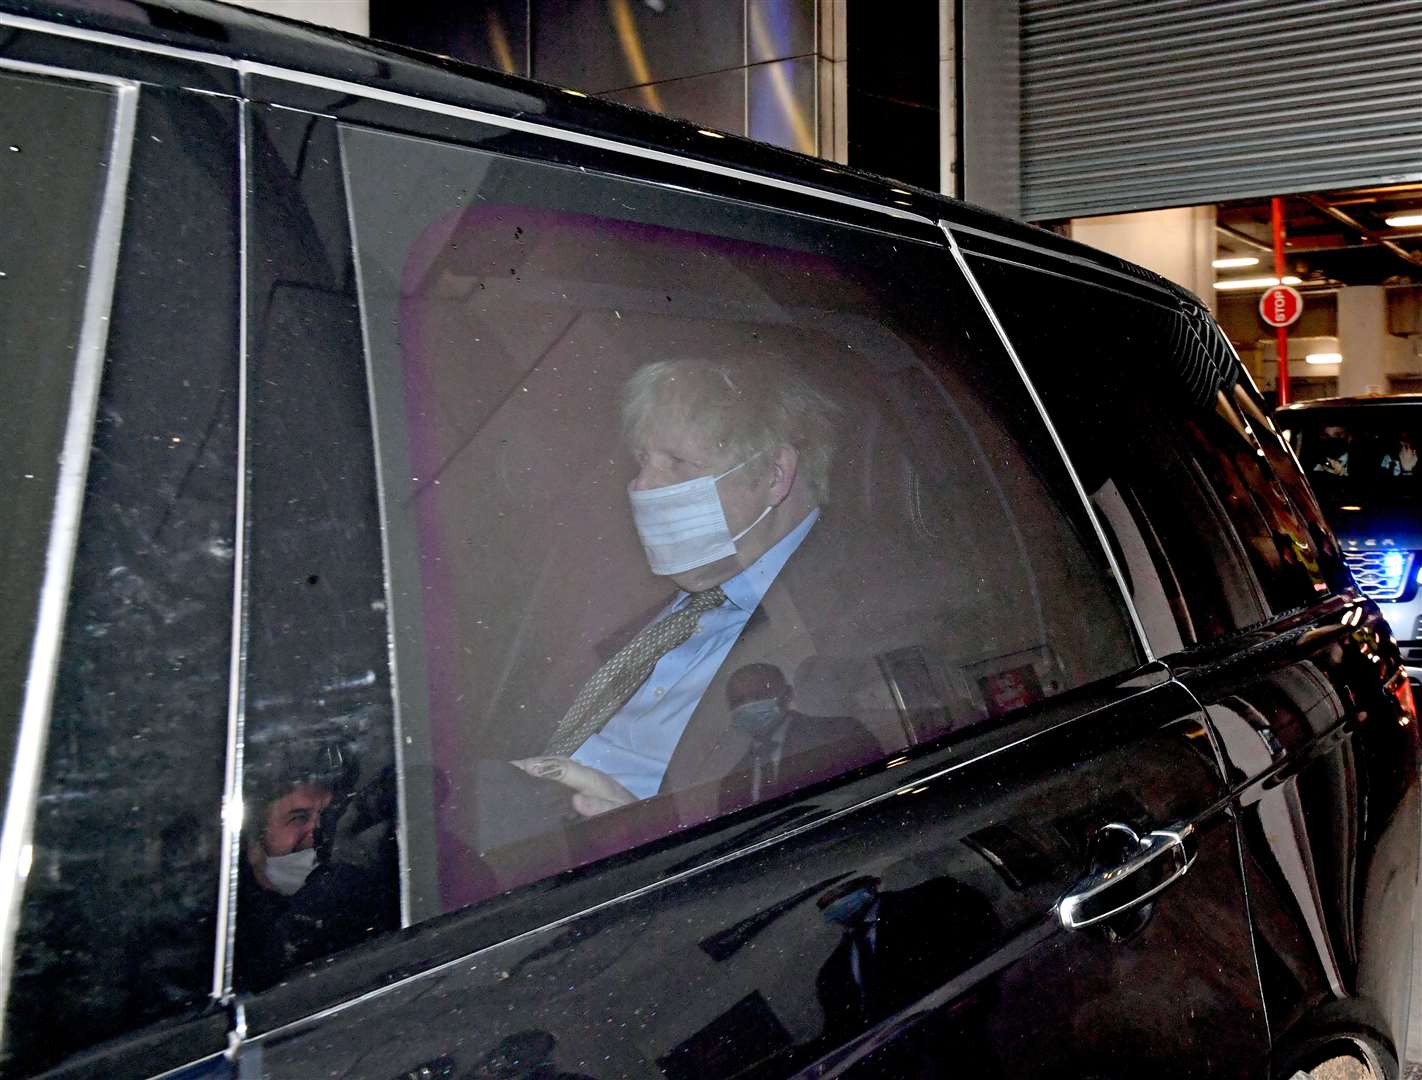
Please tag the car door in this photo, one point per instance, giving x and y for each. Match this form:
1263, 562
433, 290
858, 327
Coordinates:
888, 914
741, 958
119, 254
1245, 595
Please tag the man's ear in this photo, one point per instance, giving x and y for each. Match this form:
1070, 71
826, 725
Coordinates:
782, 473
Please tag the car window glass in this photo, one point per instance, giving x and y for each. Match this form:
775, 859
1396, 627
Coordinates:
1366, 455
317, 866
118, 924
1171, 461
55, 137
542, 338
1361, 462
1279, 543
1299, 494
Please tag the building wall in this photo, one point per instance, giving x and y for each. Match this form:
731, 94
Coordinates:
880, 93
762, 68
989, 104
1178, 244
1382, 353
894, 116
352, 16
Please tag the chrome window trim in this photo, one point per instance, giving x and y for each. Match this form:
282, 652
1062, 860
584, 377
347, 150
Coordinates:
179, 1071
382, 500
1062, 256
55, 71
36, 710
1164, 301
462, 112
103, 37
1144, 642
232, 805
342, 86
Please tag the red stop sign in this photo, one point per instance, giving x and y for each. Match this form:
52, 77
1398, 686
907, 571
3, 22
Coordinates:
1280, 305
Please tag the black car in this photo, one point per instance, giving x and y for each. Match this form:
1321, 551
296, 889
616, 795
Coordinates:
1361, 456
498, 584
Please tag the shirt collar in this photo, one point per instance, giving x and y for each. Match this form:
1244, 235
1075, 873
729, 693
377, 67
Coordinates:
748, 588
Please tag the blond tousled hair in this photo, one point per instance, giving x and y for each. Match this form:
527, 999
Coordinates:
749, 407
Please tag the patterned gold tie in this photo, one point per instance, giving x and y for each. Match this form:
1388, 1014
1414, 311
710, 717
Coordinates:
618, 679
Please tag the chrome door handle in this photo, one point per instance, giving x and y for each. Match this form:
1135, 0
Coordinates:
1160, 858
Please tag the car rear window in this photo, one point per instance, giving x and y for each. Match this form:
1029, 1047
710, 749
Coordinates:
1172, 450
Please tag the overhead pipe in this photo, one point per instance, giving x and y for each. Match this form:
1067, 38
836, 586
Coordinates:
1243, 237
1362, 230
1276, 215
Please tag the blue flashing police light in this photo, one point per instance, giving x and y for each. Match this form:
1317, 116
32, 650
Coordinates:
1394, 563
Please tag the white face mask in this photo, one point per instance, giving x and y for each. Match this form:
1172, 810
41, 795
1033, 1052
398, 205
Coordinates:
683, 526
288, 873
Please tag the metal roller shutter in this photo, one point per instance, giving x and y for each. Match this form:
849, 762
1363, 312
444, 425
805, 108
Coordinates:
1134, 104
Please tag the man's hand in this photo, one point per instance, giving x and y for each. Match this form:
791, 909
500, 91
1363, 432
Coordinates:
594, 792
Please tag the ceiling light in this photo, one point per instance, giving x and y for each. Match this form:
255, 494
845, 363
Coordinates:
1256, 282
1234, 262
710, 134
1403, 221
1323, 358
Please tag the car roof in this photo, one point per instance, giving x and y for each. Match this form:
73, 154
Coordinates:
239, 34
1344, 403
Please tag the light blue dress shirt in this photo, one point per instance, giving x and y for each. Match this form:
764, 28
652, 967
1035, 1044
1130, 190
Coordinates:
636, 744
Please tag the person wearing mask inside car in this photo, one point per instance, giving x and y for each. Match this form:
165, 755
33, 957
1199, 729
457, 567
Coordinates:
1331, 454
733, 458
1401, 458
315, 866
788, 749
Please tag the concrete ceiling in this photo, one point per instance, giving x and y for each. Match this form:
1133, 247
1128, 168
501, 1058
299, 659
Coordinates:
1332, 237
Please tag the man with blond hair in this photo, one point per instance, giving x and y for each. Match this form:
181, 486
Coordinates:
733, 460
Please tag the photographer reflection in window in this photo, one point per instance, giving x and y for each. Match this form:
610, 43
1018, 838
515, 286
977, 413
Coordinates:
733, 460
316, 866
